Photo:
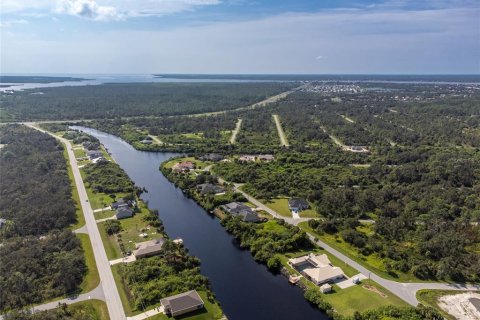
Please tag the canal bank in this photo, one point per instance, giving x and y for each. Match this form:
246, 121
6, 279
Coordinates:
245, 289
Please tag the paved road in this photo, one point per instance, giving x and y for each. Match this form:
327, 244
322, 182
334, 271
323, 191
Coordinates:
405, 291
281, 134
96, 294
236, 131
112, 298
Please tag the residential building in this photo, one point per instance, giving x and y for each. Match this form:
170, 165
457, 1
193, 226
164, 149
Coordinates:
297, 204
93, 154
266, 157
149, 248
182, 303
238, 209
317, 268
119, 203
183, 166
215, 157
210, 188
124, 212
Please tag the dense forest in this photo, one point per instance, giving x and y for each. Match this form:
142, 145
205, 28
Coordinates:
63, 312
134, 99
107, 177
40, 259
35, 189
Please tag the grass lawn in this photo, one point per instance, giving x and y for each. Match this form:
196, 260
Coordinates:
198, 164
104, 214
347, 301
357, 298
96, 309
273, 226
134, 226
109, 243
430, 298
280, 205
371, 262
131, 230
91, 279
79, 153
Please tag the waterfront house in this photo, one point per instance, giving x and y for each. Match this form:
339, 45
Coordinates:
149, 248
124, 212
317, 268
119, 203
297, 204
182, 303
215, 157
207, 188
238, 209
183, 166
94, 154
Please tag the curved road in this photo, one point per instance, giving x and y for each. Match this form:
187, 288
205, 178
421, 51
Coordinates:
405, 291
107, 282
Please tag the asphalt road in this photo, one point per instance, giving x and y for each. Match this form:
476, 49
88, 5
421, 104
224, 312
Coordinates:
405, 291
107, 282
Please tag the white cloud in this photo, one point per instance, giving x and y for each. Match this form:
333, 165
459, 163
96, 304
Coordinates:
10, 23
319, 57
416, 41
104, 9
88, 9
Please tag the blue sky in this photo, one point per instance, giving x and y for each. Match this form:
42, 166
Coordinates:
240, 36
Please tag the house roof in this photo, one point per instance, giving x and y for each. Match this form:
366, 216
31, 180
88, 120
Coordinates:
248, 216
320, 260
235, 207
182, 301
323, 274
208, 187
148, 247
124, 210
297, 202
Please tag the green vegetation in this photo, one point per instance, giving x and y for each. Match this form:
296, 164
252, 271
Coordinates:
107, 177
41, 258
38, 199
91, 279
87, 310
135, 99
36, 269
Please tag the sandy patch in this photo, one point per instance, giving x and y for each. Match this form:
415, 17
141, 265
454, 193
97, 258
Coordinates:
465, 306
373, 289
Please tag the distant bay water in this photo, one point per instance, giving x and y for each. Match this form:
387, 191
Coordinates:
37, 81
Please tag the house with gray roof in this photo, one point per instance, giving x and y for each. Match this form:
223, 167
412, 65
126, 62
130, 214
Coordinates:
238, 209
149, 248
182, 303
94, 154
124, 212
210, 188
297, 204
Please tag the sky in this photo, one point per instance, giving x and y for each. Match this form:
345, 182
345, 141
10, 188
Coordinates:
240, 36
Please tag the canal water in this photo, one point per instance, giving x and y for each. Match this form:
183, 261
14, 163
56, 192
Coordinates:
246, 290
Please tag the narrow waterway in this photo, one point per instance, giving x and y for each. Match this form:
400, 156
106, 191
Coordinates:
245, 289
